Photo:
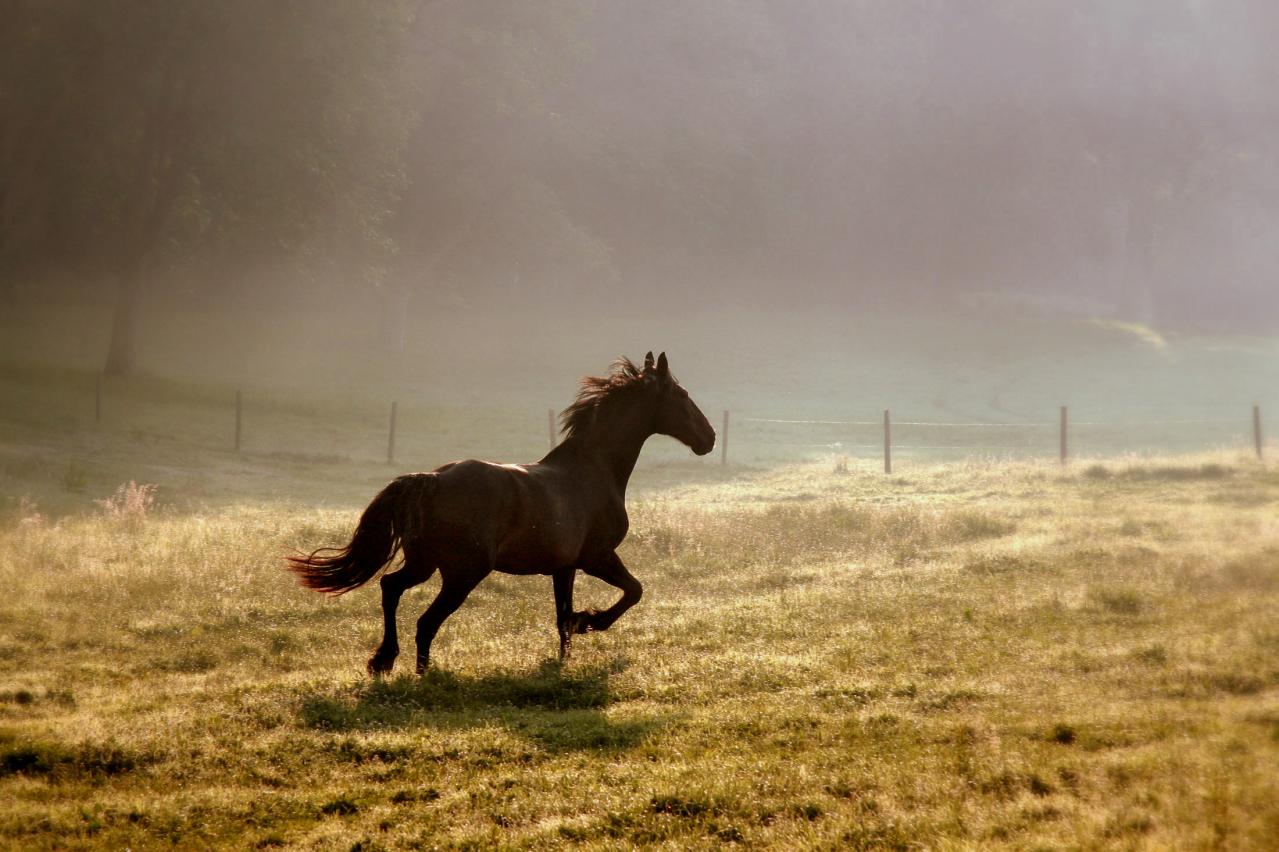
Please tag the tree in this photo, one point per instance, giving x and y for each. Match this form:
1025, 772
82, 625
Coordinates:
166, 131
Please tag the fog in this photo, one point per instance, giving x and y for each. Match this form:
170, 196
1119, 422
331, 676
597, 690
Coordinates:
879, 398
380, 167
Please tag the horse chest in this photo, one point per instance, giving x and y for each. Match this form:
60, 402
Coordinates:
611, 528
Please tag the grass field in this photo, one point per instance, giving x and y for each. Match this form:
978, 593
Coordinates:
991, 652
962, 656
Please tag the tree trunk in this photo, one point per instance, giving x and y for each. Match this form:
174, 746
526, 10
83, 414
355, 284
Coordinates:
8, 283
155, 188
122, 349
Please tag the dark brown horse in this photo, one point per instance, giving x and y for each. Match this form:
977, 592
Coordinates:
564, 514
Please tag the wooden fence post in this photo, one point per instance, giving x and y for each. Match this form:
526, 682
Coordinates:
97, 400
888, 442
239, 407
390, 438
1256, 430
1064, 446
723, 446
550, 426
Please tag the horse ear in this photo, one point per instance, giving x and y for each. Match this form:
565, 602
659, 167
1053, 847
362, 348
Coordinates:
663, 369
648, 362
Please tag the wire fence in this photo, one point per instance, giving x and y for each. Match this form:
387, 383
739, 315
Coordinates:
1062, 437
743, 438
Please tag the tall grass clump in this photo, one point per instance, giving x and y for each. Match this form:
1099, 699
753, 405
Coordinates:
131, 503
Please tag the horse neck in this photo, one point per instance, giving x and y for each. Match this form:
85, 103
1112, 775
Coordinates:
615, 440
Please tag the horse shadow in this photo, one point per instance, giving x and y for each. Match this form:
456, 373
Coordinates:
557, 707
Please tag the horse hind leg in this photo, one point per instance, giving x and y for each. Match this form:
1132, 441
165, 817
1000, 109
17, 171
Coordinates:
416, 570
455, 584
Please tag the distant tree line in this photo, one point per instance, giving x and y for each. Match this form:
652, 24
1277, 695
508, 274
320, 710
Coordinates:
401, 152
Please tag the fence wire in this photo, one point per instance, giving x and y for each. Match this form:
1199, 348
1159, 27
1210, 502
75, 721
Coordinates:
774, 436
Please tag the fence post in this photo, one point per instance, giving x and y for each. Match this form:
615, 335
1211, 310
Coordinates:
1064, 446
239, 408
1256, 430
97, 400
723, 446
550, 426
390, 438
888, 442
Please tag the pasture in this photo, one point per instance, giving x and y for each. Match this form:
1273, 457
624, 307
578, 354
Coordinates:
961, 656
960, 322
968, 654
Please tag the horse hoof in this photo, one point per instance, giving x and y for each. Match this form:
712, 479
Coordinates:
584, 621
378, 667
421, 667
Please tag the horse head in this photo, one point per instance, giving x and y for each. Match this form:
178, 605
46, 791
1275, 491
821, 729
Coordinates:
676, 414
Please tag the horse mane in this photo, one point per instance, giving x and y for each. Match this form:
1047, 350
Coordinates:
623, 377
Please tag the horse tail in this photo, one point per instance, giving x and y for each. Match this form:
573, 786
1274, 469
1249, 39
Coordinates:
395, 514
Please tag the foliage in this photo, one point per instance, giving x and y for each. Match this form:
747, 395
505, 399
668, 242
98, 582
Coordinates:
579, 149
210, 137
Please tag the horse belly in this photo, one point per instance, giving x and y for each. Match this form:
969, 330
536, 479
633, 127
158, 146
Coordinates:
537, 551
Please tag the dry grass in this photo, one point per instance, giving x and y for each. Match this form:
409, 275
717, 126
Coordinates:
968, 656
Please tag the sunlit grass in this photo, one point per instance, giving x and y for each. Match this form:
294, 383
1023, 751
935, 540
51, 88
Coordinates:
970, 655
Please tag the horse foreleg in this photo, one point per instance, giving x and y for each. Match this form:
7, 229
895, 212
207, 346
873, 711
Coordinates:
613, 572
454, 587
393, 587
563, 580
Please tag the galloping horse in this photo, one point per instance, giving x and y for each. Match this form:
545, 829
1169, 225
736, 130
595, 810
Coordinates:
563, 514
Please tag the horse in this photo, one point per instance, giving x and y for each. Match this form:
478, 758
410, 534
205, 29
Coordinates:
563, 514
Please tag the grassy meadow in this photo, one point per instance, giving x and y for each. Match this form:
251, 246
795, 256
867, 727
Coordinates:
988, 652
962, 656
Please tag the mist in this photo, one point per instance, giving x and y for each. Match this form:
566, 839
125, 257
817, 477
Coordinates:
805, 424
389, 160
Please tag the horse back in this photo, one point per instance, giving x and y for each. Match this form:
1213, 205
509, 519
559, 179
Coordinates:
527, 519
